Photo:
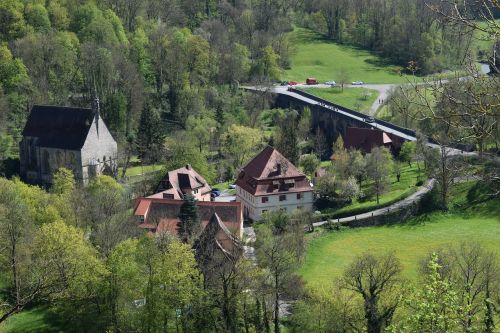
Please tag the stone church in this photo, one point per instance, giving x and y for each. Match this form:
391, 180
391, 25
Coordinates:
69, 137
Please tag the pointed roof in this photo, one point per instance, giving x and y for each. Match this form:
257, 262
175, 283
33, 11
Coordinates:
163, 214
217, 237
271, 173
59, 126
366, 138
270, 163
177, 181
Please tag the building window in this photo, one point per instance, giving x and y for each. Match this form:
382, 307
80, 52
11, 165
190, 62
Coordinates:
283, 197
299, 196
265, 199
195, 191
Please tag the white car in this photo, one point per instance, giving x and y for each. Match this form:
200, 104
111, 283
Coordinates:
357, 83
330, 83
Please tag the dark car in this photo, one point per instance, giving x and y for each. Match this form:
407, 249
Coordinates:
370, 119
216, 192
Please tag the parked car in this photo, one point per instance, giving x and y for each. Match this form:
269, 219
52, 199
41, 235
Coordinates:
370, 119
311, 81
232, 186
292, 83
216, 192
331, 83
357, 83
284, 83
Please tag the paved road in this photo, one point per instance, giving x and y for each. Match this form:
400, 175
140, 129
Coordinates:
225, 196
383, 89
410, 200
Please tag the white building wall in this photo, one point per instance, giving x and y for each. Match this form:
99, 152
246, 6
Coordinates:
99, 145
256, 207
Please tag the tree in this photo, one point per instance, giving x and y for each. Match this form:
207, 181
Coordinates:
150, 135
340, 158
63, 182
105, 214
309, 164
124, 284
397, 170
444, 167
171, 284
379, 165
343, 77
325, 186
357, 165
61, 266
376, 280
180, 155
240, 143
201, 128
286, 135
266, 67
472, 273
189, 219
349, 189
320, 145
37, 16
434, 308
277, 247
52, 59
399, 102
407, 152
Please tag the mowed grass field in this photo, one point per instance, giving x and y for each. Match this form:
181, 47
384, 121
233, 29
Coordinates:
352, 98
318, 57
330, 253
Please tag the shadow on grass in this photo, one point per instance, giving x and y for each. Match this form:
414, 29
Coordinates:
38, 319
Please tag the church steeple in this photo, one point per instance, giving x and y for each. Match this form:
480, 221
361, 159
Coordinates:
97, 110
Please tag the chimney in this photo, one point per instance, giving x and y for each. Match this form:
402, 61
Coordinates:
188, 166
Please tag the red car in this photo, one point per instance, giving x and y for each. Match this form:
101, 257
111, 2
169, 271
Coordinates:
311, 81
292, 83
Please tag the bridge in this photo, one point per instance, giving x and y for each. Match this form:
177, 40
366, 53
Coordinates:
334, 119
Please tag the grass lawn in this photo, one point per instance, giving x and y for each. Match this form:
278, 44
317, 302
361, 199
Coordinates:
139, 170
329, 254
351, 98
318, 57
33, 320
403, 188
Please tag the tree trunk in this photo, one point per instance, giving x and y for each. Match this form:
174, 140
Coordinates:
9, 313
276, 306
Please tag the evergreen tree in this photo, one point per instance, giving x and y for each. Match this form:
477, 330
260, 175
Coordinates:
150, 135
286, 140
189, 225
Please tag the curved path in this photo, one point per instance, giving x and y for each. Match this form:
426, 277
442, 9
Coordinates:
406, 202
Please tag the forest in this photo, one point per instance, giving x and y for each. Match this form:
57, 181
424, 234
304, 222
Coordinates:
174, 66
168, 75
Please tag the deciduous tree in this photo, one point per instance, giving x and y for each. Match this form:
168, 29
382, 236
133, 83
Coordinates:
379, 165
376, 279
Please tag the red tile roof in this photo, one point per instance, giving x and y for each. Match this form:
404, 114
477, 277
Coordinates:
366, 138
271, 173
163, 214
180, 181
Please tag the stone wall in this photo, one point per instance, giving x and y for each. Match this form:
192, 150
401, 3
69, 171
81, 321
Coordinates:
99, 148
